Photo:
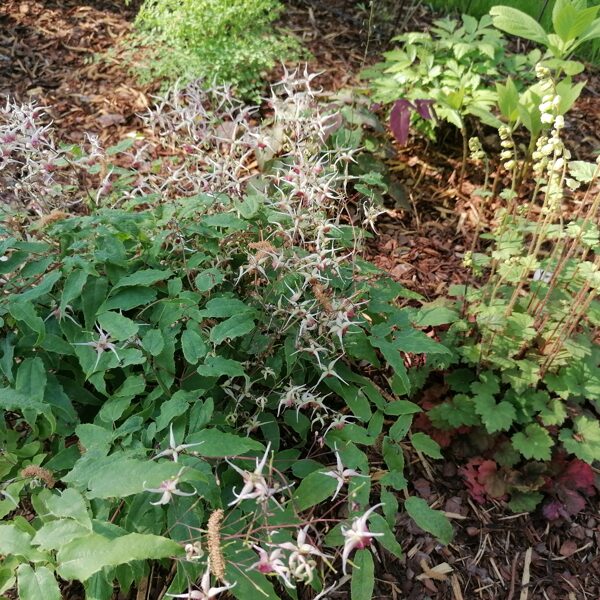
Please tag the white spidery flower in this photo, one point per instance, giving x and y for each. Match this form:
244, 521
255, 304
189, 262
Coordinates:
168, 489
341, 474
300, 561
255, 485
174, 450
101, 345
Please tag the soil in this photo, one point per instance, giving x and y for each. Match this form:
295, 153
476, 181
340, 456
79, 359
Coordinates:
49, 53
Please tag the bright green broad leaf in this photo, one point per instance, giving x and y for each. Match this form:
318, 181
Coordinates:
14, 542
432, 521
423, 443
146, 277
37, 584
118, 326
233, 327
84, 556
218, 444
495, 416
534, 443
55, 534
584, 440
378, 524
363, 576
69, 503
117, 477
518, 23
313, 489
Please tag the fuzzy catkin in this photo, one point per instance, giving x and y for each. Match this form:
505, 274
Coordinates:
217, 562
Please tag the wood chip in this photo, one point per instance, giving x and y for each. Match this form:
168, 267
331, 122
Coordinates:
526, 575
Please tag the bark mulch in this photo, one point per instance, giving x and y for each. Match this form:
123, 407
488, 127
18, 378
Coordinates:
48, 54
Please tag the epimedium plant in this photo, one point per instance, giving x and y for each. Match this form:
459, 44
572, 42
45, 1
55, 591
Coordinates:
187, 372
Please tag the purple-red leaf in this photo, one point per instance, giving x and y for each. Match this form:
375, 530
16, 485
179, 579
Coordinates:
400, 120
425, 108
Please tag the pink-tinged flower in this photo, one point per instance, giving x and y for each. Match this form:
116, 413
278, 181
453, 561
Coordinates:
174, 450
342, 475
205, 592
168, 489
358, 536
270, 562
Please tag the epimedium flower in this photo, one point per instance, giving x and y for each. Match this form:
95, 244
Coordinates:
174, 450
341, 474
300, 561
271, 562
103, 344
255, 485
205, 592
168, 489
358, 536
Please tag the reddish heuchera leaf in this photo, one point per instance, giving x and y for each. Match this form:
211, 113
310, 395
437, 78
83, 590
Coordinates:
576, 479
482, 480
578, 475
400, 120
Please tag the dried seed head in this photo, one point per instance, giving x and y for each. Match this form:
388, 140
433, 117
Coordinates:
217, 562
33, 471
53, 217
322, 296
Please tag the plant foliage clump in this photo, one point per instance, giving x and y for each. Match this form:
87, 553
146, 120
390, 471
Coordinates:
185, 371
222, 41
455, 66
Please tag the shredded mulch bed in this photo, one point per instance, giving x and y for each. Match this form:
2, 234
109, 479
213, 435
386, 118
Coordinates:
494, 554
49, 54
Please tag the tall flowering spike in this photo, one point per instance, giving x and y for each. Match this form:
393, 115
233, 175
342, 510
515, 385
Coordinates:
358, 536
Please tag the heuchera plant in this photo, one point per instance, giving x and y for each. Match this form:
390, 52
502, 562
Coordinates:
528, 340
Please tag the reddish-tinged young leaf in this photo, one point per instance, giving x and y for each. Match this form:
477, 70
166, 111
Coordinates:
572, 501
425, 108
554, 510
400, 120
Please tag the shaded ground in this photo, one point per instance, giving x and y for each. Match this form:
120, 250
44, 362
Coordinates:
47, 50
